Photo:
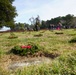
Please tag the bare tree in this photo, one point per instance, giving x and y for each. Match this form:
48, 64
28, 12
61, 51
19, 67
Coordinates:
35, 22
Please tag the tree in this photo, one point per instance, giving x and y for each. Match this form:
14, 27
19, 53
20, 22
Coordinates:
32, 20
35, 22
74, 22
43, 25
11, 1
68, 20
20, 26
7, 13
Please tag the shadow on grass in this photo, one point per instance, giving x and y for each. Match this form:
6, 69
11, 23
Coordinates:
51, 55
73, 40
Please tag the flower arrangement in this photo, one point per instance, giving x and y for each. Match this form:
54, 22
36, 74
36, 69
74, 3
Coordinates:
29, 49
58, 32
38, 35
12, 36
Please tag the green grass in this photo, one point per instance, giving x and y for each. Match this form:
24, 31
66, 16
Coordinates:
64, 64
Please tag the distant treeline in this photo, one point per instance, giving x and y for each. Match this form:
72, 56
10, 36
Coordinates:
68, 21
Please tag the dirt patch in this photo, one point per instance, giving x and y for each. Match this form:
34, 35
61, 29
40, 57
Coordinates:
15, 61
36, 59
51, 55
33, 61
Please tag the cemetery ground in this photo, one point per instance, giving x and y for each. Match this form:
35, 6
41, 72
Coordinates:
58, 46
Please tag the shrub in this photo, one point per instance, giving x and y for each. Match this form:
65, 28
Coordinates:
12, 36
29, 49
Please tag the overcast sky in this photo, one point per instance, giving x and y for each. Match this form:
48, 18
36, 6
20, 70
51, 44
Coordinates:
46, 9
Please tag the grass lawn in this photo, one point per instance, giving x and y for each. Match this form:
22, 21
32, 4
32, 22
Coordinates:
63, 53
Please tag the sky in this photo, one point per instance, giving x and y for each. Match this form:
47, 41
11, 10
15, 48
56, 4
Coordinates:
46, 9
4, 28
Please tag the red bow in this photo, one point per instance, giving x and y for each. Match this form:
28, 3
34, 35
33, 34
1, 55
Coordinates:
26, 46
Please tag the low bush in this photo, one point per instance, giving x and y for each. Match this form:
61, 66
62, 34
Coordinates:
29, 49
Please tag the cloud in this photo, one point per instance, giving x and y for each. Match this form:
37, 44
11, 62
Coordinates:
58, 8
46, 9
